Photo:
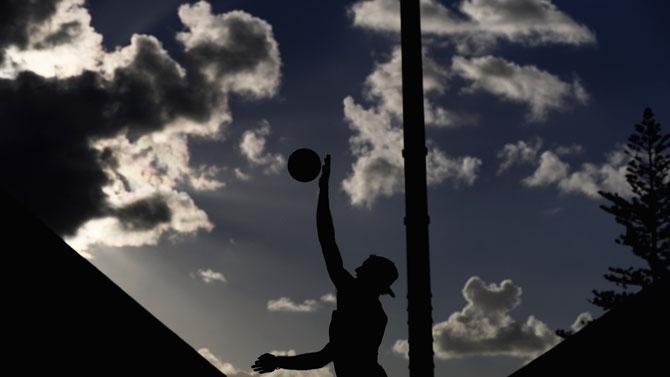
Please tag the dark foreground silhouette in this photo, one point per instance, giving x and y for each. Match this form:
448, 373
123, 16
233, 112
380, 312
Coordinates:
357, 325
631, 340
62, 316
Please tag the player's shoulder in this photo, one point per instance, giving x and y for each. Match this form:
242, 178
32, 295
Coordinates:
345, 279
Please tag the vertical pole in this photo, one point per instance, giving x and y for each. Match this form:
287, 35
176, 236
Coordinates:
416, 198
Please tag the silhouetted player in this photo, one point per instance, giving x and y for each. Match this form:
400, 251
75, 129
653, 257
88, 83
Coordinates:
357, 325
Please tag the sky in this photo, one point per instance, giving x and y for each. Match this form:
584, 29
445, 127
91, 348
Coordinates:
153, 136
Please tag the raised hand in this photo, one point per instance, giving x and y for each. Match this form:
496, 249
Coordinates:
265, 363
325, 172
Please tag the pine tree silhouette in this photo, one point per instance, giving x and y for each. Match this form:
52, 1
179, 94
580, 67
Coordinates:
645, 215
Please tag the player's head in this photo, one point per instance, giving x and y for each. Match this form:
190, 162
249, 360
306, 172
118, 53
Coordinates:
379, 272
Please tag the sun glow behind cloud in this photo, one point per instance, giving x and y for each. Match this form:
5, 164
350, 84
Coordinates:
150, 106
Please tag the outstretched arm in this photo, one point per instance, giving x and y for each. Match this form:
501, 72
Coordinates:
326, 230
267, 363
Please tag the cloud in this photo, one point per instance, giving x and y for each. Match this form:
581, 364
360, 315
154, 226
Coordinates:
145, 213
384, 15
285, 304
241, 175
521, 152
401, 347
475, 27
581, 321
51, 38
478, 25
210, 276
252, 146
384, 86
568, 150
550, 170
609, 176
235, 50
460, 170
226, 368
186, 218
553, 211
229, 370
590, 178
18, 20
378, 139
329, 298
99, 150
484, 326
538, 89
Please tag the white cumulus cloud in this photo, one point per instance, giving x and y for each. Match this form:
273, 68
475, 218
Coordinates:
384, 85
210, 276
517, 153
252, 146
527, 84
329, 298
227, 368
477, 25
550, 170
485, 327
378, 138
285, 304
588, 179
233, 42
582, 320
241, 175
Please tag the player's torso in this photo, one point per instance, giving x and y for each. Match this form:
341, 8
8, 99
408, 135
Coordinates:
357, 326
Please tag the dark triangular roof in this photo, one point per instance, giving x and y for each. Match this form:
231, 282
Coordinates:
62, 316
630, 340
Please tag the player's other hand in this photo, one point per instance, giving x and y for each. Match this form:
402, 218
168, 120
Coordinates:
265, 363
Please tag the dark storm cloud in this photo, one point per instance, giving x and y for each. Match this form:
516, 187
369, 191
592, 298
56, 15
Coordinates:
151, 91
247, 46
49, 124
145, 214
19, 18
63, 35
45, 159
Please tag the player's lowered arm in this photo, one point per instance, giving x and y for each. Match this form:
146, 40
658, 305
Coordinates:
267, 363
306, 361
